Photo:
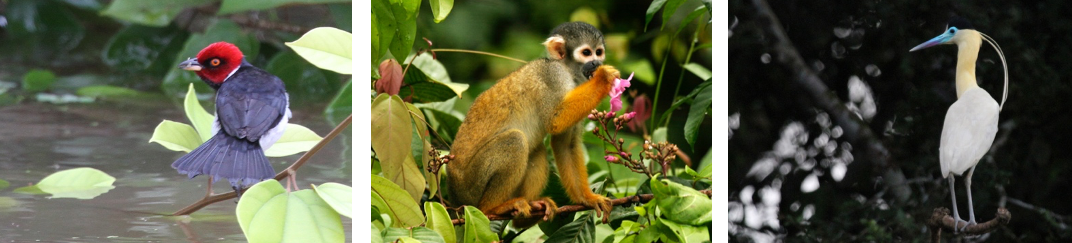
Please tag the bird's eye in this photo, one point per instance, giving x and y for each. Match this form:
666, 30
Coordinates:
586, 52
599, 52
215, 62
952, 31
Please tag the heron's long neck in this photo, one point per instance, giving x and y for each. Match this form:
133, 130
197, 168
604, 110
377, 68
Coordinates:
967, 53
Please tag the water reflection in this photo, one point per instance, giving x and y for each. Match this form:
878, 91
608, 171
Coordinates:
113, 138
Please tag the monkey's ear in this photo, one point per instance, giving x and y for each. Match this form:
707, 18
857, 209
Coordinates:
556, 47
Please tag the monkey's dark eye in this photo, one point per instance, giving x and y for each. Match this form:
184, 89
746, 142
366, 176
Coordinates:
599, 52
215, 62
586, 52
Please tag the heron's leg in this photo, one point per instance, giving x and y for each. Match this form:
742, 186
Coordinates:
953, 195
967, 182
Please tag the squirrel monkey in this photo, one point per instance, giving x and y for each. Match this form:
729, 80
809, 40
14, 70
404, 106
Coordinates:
500, 160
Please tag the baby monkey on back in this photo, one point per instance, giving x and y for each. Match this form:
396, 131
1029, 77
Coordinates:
500, 162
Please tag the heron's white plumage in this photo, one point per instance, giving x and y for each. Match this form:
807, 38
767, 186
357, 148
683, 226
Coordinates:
970, 127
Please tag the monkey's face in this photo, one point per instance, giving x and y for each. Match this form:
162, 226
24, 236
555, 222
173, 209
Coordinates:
589, 56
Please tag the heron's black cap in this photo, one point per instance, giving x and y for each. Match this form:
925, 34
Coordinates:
960, 23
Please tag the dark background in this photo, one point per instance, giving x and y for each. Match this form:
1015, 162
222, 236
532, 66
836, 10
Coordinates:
889, 198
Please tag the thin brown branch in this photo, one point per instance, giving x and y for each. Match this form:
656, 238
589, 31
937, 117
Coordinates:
537, 209
279, 177
940, 219
479, 52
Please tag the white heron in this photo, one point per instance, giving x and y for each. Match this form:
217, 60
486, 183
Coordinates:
972, 121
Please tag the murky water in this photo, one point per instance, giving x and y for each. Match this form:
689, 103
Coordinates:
38, 139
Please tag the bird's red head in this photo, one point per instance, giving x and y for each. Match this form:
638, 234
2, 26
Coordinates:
215, 62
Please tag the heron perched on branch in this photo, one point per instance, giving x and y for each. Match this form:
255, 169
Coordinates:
972, 121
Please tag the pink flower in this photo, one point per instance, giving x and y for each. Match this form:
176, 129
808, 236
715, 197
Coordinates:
629, 115
610, 158
616, 92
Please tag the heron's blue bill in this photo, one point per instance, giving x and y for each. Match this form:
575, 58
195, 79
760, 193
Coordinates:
941, 39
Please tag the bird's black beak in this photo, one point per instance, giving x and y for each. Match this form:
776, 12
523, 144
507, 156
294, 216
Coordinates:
190, 65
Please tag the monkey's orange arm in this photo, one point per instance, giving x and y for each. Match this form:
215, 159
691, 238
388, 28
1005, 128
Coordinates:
581, 100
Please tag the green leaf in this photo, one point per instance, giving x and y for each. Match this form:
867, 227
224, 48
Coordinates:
417, 234
107, 91
699, 70
643, 70
477, 227
327, 48
681, 203
4, 184
377, 236
436, 72
437, 219
445, 124
233, 6
701, 105
338, 196
403, 24
383, 29
176, 136
151, 13
295, 139
38, 80
391, 139
650, 13
396, 202
580, 230
441, 8
268, 213
201, 119
7, 203
669, 10
80, 183
421, 89
688, 233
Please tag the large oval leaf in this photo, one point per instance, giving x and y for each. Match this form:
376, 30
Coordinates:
200, 118
338, 196
417, 234
397, 203
477, 227
437, 219
176, 136
680, 203
701, 105
441, 8
295, 139
80, 183
268, 213
392, 131
326, 47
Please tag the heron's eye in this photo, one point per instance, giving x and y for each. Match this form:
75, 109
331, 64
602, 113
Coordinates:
952, 30
215, 62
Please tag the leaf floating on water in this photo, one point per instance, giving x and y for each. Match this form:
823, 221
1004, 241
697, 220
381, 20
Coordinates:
80, 183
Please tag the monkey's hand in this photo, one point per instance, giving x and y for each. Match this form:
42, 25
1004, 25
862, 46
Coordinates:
581, 100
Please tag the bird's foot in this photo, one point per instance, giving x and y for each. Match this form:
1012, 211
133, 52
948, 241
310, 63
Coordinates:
956, 225
958, 228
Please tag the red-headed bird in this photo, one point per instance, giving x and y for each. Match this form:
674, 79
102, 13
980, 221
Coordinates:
252, 109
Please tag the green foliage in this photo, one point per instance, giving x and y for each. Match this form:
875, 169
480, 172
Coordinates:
342, 104
701, 105
415, 234
304, 82
138, 48
98, 91
680, 203
268, 213
151, 13
391, 139
38, 80
80, 183
233, 6
397, 22
580, 230
441, 8
4, 184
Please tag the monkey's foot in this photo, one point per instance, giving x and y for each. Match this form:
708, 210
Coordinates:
521, 208
601, 204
